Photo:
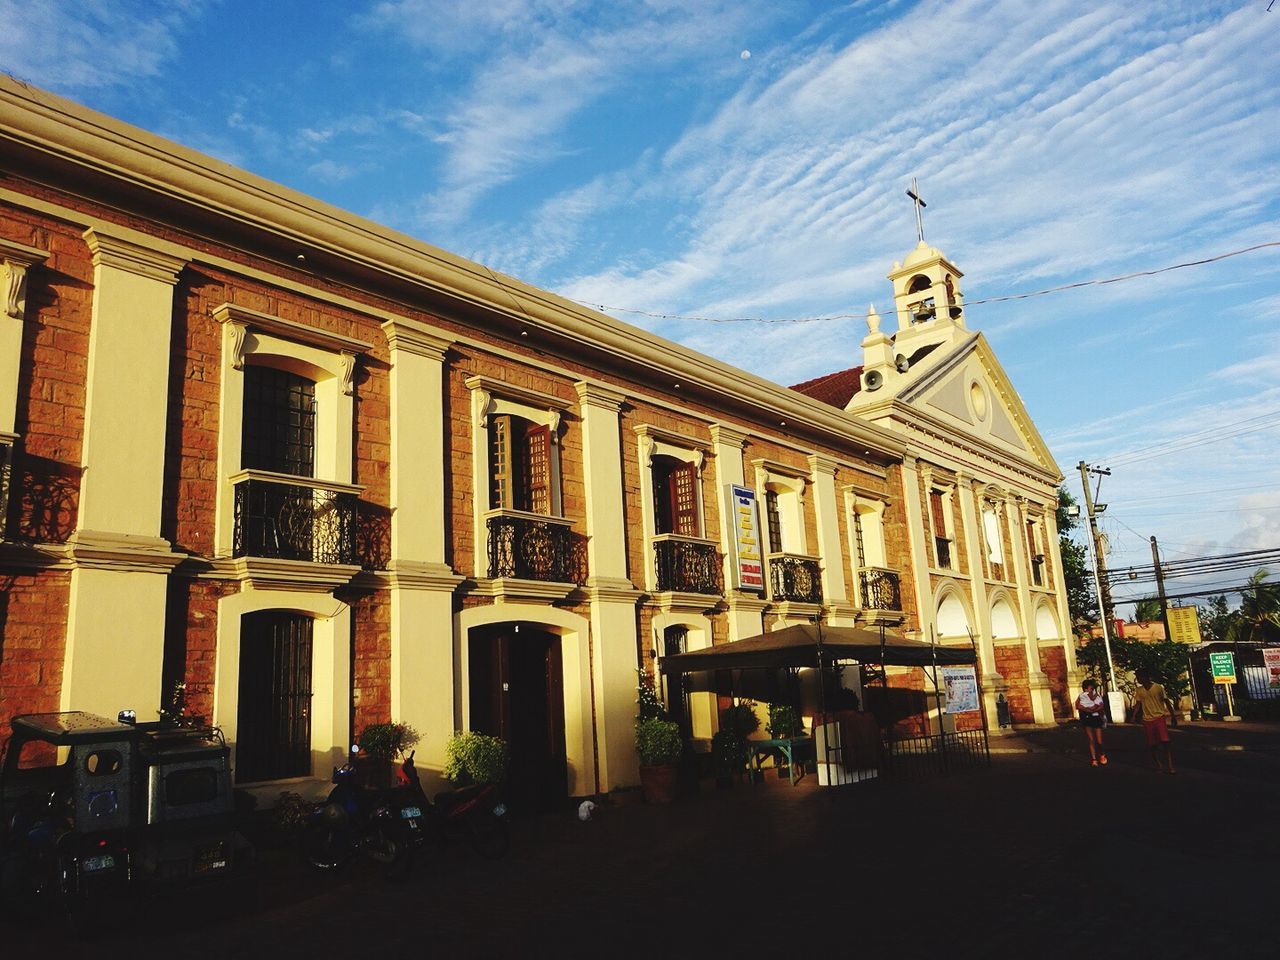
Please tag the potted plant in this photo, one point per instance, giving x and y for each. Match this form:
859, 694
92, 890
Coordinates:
472, 758
729, 755
381, 745
783, 724
659, 746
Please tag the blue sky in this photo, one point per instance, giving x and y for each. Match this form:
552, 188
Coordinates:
747, 158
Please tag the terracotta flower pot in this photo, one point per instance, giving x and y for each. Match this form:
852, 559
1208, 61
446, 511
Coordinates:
658, 784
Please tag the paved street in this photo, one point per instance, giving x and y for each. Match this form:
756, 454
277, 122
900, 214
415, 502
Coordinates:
1041, 856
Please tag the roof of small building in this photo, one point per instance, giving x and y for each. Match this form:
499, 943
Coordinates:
836, 388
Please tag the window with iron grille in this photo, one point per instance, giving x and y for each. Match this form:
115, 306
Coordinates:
279, 422
519, 465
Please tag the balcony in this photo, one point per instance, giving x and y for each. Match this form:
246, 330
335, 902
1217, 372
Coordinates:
530, 546
687, 565
795, 579
279, 517
880, 588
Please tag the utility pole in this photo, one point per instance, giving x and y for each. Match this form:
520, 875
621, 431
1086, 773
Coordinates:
1114, 697
1164, 616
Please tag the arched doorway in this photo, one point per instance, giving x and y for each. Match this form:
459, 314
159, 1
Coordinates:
517, 693
953, 620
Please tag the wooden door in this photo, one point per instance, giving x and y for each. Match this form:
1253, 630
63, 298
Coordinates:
273, 723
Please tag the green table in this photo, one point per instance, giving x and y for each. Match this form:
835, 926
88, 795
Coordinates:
795, 751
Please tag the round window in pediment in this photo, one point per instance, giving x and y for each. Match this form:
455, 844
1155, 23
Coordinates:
978, 400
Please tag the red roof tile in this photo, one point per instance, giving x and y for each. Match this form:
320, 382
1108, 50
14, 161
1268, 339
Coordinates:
836, 388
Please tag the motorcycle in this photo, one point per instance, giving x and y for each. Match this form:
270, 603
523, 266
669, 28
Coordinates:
391, 825
384, 825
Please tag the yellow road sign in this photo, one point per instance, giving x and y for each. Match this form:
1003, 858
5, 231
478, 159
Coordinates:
1184, 624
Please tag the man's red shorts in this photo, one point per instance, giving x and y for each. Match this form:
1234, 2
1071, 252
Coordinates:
1157, 731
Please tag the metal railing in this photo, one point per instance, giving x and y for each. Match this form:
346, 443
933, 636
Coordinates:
795, 578
533, 547
881, 588
294, 519
938, 753
686, 565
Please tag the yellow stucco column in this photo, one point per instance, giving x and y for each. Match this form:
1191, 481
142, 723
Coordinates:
422, 584
1054, 549
826, 510
116, 611
746, 609
611, 594
993, 683
1041, 692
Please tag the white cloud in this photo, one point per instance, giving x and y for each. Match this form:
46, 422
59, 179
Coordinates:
91, 43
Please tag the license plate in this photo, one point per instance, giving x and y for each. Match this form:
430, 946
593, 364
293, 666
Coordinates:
103, 862
210, 865
500, 810
410, 813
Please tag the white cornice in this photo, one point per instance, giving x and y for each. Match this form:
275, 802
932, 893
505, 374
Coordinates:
500, 388
132, 257
59, 129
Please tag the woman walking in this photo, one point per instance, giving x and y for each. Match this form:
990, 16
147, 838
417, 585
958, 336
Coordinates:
1093, 717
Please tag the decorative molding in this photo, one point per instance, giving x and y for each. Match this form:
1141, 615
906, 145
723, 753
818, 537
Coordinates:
612, 590
99, 550
772, 468
347, 364
795, 610
239, 334
266, 573
740, 602
515, 588
500, 388
597, 395
35, 556
17, 259
820, 464
120, 254
866, 493
416, 338
413, 575
727, 436
267, 476
669, 600
289, 329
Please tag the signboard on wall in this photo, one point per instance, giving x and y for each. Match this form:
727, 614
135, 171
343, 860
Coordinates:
961, 687
748, 557
1184, 624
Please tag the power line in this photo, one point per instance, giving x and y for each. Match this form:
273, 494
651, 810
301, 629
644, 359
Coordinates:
603, 308
1117, 458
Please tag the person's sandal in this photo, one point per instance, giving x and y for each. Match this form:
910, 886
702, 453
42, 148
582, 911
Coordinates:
1093, 762
1103, 759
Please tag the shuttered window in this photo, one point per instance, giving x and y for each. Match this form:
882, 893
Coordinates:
775, 521
519, 465
675, 495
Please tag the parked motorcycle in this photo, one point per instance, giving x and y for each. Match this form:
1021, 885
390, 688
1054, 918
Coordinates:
390, 825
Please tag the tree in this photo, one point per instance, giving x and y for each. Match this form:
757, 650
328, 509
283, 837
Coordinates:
1259, 615
1165, 660
1146, 609
1081, 602
1215, 618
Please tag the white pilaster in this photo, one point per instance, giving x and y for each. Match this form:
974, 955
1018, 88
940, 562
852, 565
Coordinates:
826, 509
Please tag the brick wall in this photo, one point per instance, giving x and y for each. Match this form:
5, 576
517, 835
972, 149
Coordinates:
33, 625
1011, 663
1053, 663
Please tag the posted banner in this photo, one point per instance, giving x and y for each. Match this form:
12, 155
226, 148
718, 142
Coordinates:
961, 687
1271, 660
748, 558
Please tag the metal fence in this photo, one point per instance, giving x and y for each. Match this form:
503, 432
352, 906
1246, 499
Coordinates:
1256, 692
936, 754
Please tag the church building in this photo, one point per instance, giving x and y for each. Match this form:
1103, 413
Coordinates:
327, 475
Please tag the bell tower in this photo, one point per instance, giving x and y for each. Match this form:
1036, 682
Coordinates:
927, 299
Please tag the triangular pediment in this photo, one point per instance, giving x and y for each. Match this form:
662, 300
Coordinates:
966, 390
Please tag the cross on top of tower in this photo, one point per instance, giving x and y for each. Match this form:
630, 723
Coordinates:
914, 194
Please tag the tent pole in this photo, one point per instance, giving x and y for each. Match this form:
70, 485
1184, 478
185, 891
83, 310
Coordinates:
937, 699
982, 704
822, 701
888, 703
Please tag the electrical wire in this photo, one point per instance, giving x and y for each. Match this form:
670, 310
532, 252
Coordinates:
603, 308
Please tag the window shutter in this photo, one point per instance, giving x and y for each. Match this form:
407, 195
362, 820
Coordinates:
535, 473
939, 516
775, 521
684, 500
500, 479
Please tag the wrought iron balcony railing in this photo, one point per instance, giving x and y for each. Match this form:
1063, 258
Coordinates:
795, 578
292, 518
687, 565
881, 588
530, 546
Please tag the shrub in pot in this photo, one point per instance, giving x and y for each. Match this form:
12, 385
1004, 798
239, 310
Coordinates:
381, 745
472, 758
659, 746
729, 755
